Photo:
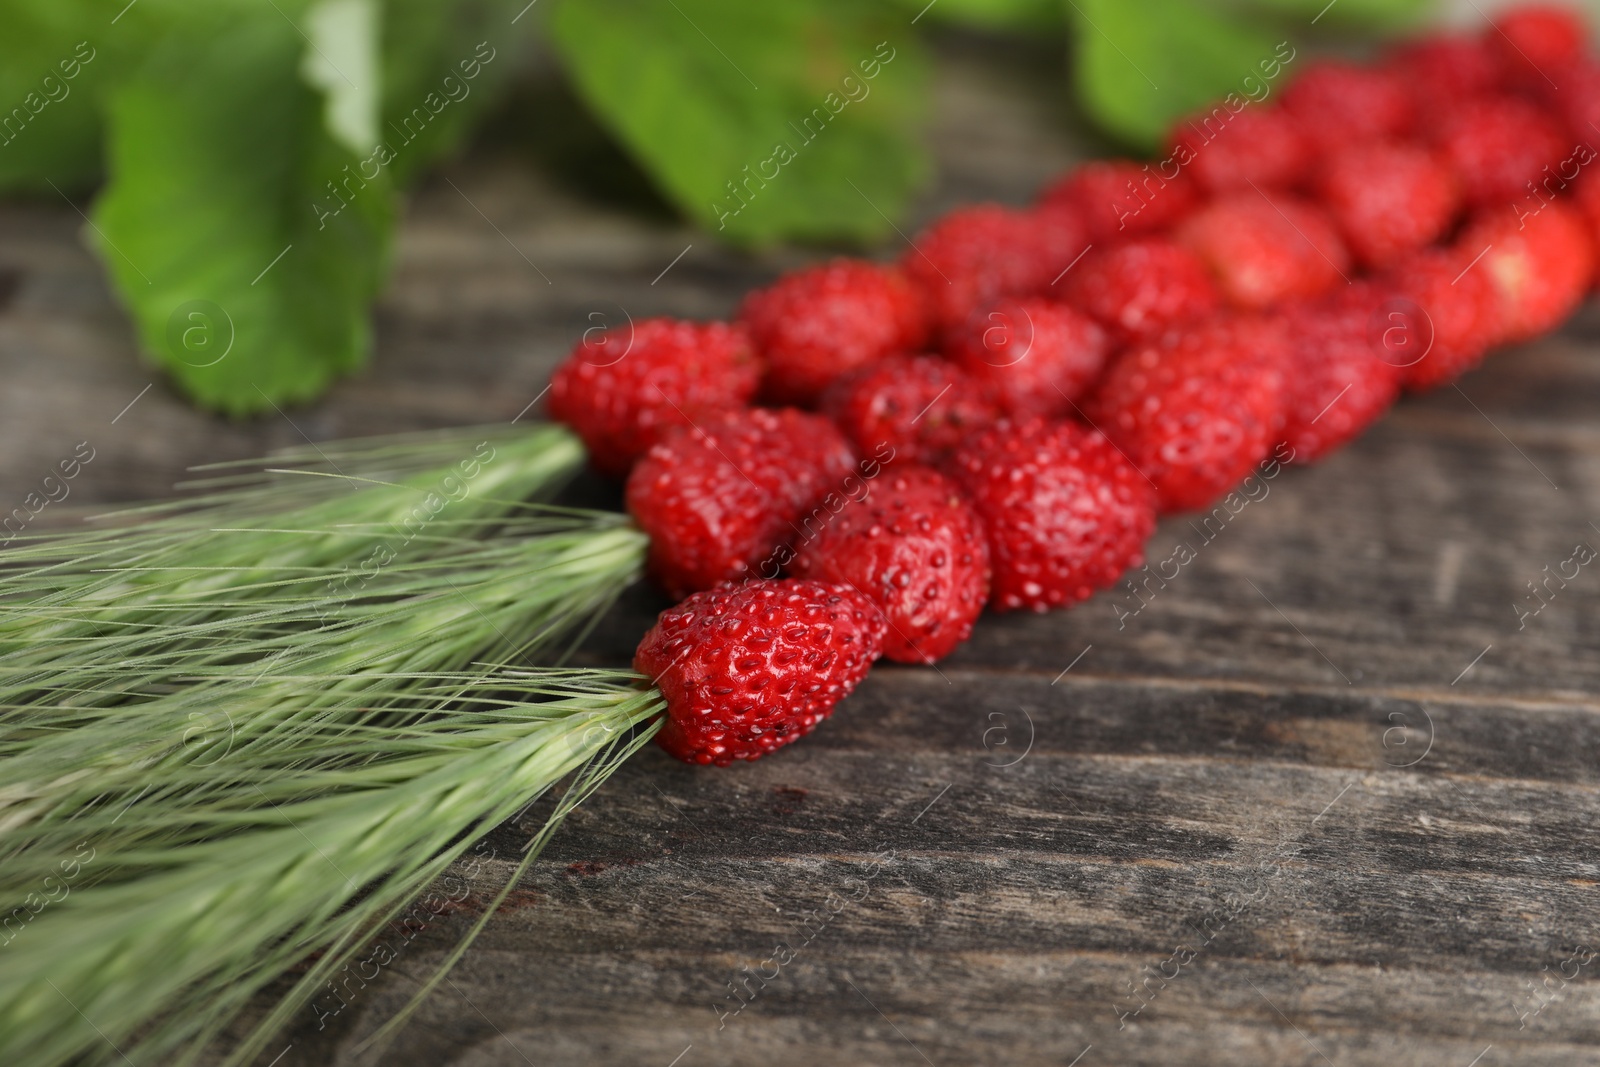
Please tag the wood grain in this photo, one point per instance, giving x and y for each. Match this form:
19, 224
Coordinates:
1320, 801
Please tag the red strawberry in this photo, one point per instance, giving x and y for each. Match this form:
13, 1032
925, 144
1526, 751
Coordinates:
1336, 104
1227, 151
1586, 196
623, 388
1119, 198
1034, 356
975, 255
1442, 71
813, 325
1265, 251
1541, 264
1140, 288
915, 546
1066, 513
749, 668
919, 406
1497, 145
717, 498
1196, 411
1388, 198
1576, 100
1340, 376
1445, 318
1537, 43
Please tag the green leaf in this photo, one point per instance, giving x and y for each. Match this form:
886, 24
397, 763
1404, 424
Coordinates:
245, 240
51, 70
785, 118
342, 61
1141, 66
1384, 16
987, 14
446, 62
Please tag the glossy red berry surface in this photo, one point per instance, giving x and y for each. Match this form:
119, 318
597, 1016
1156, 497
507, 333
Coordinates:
1497, 145
1256, 146
1141, 288
1441, 71
749, 668
1541, 265
919, 407
814, 325
1195, 412
623, 388
914, 545
1537, 43
975, 255
1336, 104
1445, 315
1065, 512
1388, 198
1033, 356
1340, 377
722, 497
1119, 198
1264, 251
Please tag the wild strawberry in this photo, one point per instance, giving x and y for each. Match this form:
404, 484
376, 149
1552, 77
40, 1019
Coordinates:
1140, 288
1336, 104
813, 325
975, 255
747, 669
1227, 151
1445, 315
719, 497
1196, 412
1576, 101
1541, 264
1388, 198
1537, 42
1586, 197
1066, 513
1497, 145
622, 388
1034, 356
1340, 378
919, 406
1118, 198
915, 546
1265, 251
1442, 71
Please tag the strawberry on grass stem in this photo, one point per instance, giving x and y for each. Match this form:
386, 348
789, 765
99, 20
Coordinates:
749, 668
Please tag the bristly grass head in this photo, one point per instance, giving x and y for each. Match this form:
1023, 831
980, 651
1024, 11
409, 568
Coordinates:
154, 917
251, 708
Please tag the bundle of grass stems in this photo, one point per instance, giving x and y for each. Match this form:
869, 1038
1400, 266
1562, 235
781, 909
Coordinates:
242, 731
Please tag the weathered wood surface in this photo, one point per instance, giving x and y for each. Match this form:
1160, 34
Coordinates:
1277, 800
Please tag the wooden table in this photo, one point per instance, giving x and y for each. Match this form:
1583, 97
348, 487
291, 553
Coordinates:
1320, 801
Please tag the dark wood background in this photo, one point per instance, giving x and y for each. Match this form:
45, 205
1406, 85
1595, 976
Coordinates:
1322, 801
